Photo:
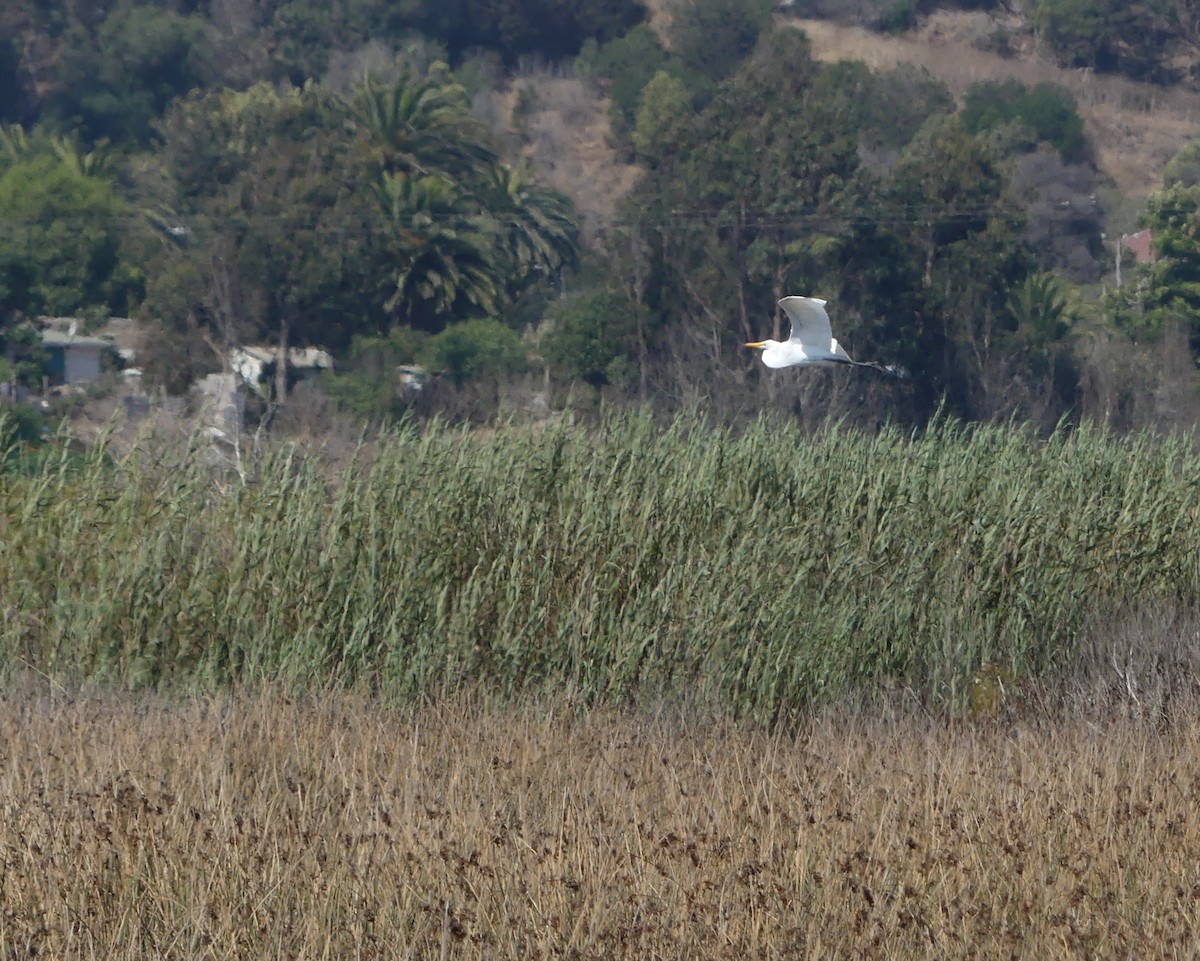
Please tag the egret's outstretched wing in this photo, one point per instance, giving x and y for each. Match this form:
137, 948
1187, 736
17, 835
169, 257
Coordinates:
810, 323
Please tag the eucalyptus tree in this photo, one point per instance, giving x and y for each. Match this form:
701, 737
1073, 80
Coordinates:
947, 196
740, 196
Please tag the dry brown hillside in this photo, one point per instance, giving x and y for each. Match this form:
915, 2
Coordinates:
563, 127
1135, 127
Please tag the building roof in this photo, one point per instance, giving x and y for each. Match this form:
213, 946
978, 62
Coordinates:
1142, 245
56, 338
122, 334
297, 356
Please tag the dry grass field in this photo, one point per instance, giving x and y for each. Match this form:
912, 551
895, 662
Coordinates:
266, 826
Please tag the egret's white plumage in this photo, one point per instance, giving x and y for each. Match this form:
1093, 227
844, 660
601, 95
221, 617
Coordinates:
811, 341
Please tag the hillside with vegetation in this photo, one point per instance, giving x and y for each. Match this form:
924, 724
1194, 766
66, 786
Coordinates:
1135, 127
605, 201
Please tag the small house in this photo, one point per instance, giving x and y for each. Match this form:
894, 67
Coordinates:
1141, 245
76, 358
73, 359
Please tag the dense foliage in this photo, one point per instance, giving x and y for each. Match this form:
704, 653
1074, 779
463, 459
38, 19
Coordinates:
286, 173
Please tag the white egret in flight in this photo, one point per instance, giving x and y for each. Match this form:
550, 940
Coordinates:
812, 341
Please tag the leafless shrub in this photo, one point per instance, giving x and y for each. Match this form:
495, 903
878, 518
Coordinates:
347, 68
311, 419
1142, 662
1063, 214
1126, 385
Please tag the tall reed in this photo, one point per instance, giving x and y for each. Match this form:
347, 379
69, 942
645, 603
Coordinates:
759, 569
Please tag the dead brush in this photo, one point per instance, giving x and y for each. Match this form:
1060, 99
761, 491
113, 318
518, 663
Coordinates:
267, 825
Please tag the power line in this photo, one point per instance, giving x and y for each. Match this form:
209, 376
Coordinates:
183, 227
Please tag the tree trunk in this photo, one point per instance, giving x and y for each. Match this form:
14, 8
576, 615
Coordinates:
281, 363
637, 253
777, 290
928, 278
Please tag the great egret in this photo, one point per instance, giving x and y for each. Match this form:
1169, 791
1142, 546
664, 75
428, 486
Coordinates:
812, 341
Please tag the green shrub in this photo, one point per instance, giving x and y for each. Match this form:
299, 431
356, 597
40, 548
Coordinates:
590, 338
628, 62
475, 348
20, 424
1048, 110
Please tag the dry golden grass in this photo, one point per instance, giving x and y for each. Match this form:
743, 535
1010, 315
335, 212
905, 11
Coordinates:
1135, 127
269, 827
568, 138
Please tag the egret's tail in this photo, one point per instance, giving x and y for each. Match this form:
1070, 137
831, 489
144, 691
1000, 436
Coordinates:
892, 370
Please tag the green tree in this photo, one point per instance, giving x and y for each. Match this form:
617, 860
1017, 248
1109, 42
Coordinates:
1183, 170
713, 37
751, 193
422, 125
13, 106
947, 185
301, 35
628, 62
963, 241
551, 29
439, 252
70, 240
114, 79
22, 357
267, 203
886, 108
1114, 36
1171, 288
663, 107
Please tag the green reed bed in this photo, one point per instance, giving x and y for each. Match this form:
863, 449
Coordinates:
761, 570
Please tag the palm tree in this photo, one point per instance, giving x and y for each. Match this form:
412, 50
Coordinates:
1038, 309
422, 125
536, 224
442, 255
97, 162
